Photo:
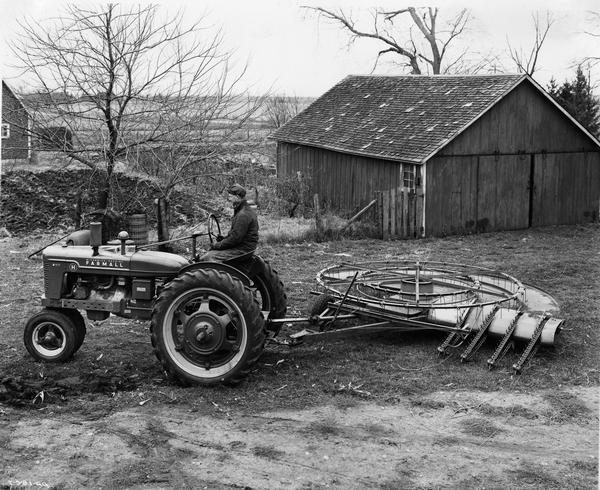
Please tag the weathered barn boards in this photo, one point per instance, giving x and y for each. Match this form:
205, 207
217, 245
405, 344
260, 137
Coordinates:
15, 139
483, 153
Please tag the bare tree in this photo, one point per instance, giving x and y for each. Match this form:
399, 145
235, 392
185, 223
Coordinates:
594, 18
527, 61
125, 84
279, 109
413, 34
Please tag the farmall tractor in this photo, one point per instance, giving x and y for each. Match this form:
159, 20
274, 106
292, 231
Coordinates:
207, 319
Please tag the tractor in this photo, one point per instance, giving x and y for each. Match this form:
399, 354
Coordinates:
207, 319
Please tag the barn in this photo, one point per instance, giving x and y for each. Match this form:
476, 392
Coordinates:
15, 137
445, 155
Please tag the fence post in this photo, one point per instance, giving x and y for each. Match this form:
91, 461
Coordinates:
405, 213
393, 212
386, 215
379, 213
419, 229
162, 218
318, 220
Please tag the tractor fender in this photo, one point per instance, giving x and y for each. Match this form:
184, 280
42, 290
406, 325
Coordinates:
219, 266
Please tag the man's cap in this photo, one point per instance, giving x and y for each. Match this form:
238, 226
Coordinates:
237, 190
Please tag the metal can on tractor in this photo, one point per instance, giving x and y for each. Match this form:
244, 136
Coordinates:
209, 321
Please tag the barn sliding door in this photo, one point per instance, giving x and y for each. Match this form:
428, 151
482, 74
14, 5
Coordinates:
503, 183
566, 188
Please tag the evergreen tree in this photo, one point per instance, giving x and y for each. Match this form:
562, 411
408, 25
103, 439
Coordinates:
577, 99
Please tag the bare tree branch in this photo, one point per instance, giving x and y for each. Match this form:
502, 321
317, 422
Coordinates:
387, 32
126, 85
528, 63
594, 19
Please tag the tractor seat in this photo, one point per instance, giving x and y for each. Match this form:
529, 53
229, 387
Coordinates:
241, 261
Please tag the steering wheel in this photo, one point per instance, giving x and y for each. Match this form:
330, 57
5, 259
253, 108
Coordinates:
211, 222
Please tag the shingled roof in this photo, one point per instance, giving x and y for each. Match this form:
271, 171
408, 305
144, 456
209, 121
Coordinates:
400, 118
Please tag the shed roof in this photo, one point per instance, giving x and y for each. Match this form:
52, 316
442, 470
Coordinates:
400, 118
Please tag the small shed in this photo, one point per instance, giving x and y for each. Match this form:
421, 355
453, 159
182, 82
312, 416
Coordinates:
445, 154
15, 130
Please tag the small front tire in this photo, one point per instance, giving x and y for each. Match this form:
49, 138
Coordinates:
51, 336
80, 328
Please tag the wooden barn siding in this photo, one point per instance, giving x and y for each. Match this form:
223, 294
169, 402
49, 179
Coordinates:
522, 122
477, 194
481, 180
566, 188
345, 183
13, 113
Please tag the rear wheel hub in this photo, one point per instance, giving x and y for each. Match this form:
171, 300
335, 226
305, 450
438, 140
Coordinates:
203, 334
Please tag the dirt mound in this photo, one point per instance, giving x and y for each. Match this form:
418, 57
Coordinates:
19, 391
47, 200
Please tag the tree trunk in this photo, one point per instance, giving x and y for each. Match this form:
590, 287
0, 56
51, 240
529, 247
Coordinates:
104, 192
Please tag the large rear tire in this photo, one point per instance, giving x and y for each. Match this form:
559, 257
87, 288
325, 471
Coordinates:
207, 328
270, 289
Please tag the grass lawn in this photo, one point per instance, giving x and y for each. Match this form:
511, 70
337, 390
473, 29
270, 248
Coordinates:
116, 361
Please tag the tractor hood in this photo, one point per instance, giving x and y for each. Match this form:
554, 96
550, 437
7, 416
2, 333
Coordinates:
108, 261
149, 263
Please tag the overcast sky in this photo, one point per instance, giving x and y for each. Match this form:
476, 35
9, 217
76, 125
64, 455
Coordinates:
290, 51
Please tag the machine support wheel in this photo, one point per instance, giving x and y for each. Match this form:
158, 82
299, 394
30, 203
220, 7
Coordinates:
207, 328
270, 289
318, 307
51, 336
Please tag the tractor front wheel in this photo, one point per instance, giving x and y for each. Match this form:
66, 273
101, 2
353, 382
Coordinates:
207, 328
80, 328
51, 336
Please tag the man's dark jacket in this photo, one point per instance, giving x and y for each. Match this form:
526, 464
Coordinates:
244, 230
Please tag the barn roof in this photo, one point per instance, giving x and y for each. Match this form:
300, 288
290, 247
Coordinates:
16, 97
400, 118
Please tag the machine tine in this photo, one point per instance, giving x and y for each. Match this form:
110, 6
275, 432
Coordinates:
453, 335
532, 346
479, 337
446, 343
504, 344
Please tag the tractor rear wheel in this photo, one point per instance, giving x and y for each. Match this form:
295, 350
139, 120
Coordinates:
207, 328
51, 336
270, 288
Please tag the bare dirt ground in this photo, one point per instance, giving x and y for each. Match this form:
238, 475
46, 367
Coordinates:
374, 412
459, 439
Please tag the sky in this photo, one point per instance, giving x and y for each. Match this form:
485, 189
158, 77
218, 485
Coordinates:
288, 50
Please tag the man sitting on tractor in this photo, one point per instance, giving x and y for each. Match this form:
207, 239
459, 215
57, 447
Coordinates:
242, 238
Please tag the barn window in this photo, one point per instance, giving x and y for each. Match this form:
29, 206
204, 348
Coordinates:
5, 131
409, 176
